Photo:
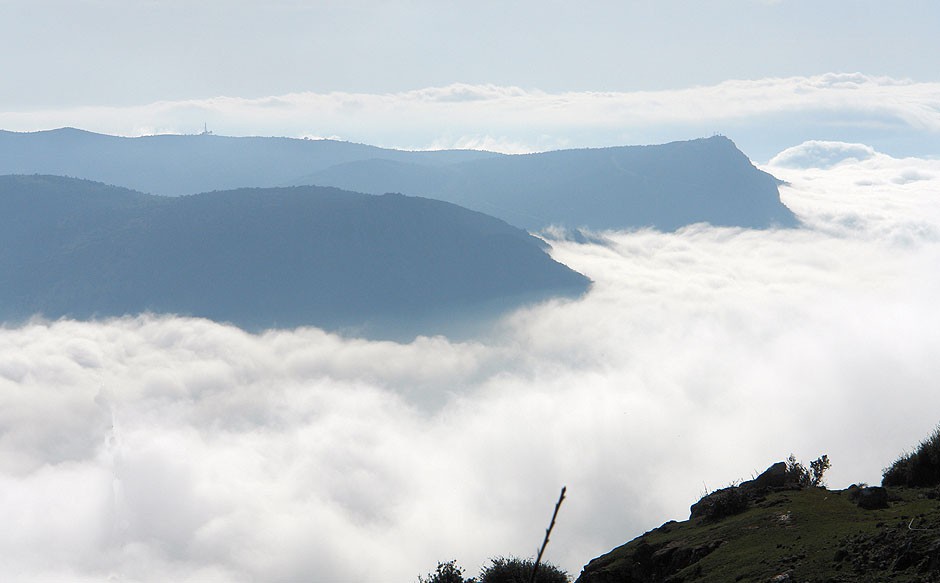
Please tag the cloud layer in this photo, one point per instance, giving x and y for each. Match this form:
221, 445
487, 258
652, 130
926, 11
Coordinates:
763, 116
159, 448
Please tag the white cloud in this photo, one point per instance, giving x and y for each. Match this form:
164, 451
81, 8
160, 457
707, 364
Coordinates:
154, 449
821, 154
763, 116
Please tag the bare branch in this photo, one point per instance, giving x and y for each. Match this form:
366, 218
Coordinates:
548, 532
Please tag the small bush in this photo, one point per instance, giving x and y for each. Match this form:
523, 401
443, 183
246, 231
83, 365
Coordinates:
448, 572
798, 475
514, 570
500, 570
817, 468
920, 469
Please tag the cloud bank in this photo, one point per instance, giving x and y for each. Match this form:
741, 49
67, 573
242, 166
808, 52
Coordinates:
763, 116
159, 448
821, 154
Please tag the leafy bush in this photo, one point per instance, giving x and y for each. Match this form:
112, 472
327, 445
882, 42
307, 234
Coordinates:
798, 475
514, 570
918, 469
448, 572
817, 468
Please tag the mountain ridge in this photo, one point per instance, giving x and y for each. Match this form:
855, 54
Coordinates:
385, 266
177, 164
665, 186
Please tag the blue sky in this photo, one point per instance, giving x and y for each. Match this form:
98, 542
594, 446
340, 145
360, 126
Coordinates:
169, 66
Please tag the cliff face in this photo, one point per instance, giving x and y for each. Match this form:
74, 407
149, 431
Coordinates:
790, 534
663, 186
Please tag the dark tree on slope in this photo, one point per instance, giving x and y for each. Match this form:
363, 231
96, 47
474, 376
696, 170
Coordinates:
918, 469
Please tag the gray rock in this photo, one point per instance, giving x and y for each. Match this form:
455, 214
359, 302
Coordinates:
871, 497
773, 477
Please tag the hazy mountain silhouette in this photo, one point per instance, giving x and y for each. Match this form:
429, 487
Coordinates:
665, 186
173, 165
381, 266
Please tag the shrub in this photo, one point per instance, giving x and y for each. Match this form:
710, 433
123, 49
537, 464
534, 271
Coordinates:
514, 570
918, 469
798, 475
817, 468
448, 572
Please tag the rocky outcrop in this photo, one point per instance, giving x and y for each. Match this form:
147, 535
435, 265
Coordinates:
735, 499
651, 562
787, 531
773, 477
869, 497
900, 549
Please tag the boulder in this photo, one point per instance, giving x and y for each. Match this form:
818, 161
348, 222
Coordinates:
720, 504
773, 477
869, 497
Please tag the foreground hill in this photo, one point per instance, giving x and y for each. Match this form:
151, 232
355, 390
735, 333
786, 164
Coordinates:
811, 535
389, 266
664, 186
777, 530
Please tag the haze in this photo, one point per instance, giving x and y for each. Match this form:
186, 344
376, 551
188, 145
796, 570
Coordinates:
519, 76
156, 448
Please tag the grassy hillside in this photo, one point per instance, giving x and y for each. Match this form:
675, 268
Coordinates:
812, 535
781, 527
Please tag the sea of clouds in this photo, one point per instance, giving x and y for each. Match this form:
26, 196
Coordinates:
155, 449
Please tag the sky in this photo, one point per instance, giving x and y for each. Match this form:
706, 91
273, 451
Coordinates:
509, 76
157, 448
125, 52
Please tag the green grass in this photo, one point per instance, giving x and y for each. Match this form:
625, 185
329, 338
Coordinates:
799, 532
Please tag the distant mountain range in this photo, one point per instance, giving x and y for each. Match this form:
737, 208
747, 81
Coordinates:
381, 266
259, 255
175, 165
665, 186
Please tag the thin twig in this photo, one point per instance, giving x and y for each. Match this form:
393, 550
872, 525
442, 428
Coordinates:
910, 526
548, 532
